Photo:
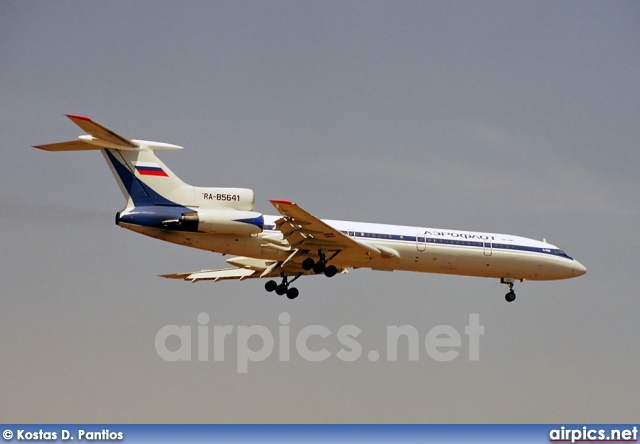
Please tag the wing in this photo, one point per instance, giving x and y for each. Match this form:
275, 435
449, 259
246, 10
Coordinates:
246, 268
214, 275
305, 232
304, 236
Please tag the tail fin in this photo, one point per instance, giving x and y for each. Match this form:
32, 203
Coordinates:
154, 183
157, 198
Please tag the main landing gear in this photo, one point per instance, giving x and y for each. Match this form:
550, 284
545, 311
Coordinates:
319, 267
307, 264
283, 288
511, 295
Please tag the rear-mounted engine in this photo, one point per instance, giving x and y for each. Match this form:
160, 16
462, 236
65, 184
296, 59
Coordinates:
206, 221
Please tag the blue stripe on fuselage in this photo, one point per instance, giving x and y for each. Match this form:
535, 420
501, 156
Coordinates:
431, 240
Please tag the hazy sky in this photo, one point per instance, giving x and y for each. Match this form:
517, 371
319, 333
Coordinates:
515, 117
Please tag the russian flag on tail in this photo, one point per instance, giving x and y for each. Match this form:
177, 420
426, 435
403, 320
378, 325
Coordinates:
150, 169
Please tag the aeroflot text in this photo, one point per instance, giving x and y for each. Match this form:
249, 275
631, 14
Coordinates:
461, 235
440, 342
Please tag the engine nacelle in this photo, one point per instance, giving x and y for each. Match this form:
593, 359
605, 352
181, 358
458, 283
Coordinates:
223, 222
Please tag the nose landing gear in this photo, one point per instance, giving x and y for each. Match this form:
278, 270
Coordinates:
511, 295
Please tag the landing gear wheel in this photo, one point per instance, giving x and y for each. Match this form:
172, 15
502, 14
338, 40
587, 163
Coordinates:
308, 264
511, 295
292, 293
330, 271
281, 289
318, 267
270, 286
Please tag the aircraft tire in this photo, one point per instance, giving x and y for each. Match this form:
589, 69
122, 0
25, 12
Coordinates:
318, 267
330, 271
308, 264
270, 286
510, 297
292, 293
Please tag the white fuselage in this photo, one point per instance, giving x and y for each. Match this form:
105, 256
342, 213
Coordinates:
417, 249
296, 243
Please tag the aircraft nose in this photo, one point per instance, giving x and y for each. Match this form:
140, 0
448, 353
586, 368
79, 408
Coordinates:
578, 269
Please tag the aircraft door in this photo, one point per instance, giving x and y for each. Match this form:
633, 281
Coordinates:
421, 242
488, 249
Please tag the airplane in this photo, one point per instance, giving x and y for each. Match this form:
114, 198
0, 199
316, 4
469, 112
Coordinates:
295, 243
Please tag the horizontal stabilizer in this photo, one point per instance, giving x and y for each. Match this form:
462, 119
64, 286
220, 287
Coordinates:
74, 145
99, 137
100, 132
